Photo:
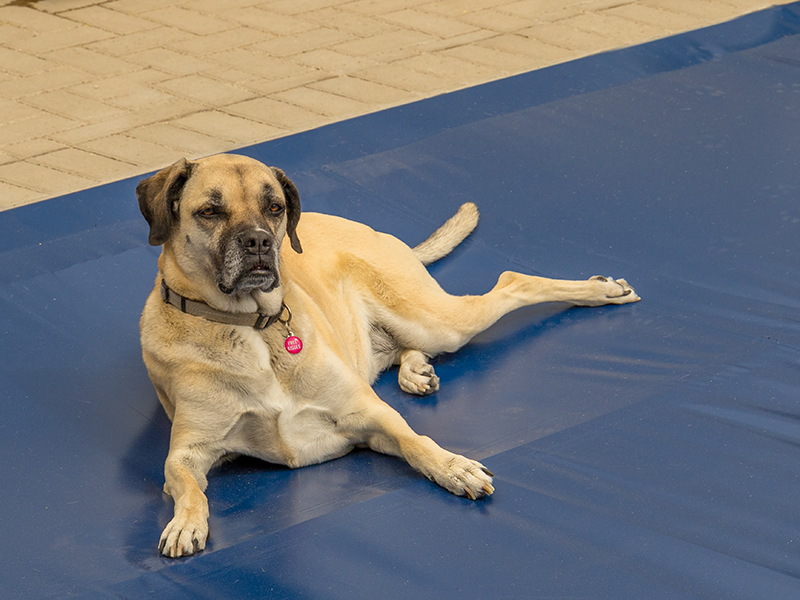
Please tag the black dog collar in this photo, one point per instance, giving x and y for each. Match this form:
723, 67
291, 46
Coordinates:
201, 309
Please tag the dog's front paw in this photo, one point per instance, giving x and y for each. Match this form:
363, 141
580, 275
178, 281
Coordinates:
183, 536
464, 477
417, 377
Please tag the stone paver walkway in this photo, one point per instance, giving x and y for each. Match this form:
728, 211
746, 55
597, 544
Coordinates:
93, 91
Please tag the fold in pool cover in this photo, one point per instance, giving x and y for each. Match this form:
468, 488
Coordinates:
646, 451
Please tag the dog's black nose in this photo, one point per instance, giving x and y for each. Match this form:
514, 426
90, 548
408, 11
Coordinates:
256, 241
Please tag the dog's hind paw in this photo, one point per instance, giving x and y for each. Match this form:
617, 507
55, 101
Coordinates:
416, 376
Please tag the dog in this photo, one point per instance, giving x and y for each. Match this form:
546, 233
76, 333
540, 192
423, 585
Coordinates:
264, 331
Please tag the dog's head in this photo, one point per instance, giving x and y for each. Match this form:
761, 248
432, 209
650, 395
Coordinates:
223, 217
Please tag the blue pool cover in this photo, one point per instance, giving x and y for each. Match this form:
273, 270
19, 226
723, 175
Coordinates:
648, 451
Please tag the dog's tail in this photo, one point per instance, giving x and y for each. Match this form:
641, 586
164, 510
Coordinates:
449, 235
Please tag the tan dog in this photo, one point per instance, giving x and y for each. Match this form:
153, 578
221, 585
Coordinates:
216, 330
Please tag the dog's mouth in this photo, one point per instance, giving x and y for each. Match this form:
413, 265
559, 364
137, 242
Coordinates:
260, 276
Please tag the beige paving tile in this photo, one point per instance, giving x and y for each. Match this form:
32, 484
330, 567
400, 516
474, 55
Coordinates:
495, 20
191, 144
135, 7
387, 41
72, 106
45, 42
33, 147
119, 85
43, 124
369, 92
217, 7
187, 20
707, 11
143, 100
454, 8
332, 61
64, 5
304, 41
533, 9
300, 76
206, 90
58, 78
539, 52
11, 33
563, 36
35, 20
200, 45
22, 63
350, 22
428, 23
448, 67
122, 45
168, 61
229, 127
90, 61
406, 78
11, 111
668, 20
270, 21
381, 7
502, 63
6, 158
42, 179
322, 102
299, 7
253, 63
285, 117
622, 31
86, 164
109, 20
132, 150
12, 196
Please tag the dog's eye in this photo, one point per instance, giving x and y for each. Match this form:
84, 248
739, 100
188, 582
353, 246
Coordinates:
275, 208
209, 211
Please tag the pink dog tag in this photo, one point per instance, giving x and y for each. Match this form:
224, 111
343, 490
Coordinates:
293, 344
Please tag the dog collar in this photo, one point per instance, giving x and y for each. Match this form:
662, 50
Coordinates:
201, 309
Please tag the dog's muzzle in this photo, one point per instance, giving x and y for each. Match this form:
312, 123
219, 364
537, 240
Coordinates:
249, 263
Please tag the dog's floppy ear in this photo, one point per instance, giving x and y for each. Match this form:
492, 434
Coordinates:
158, 199
293, 208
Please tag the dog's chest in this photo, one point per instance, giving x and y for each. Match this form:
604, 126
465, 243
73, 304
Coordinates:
276, 421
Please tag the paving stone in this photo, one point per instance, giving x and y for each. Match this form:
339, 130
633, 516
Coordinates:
622, 31
286, 117
348, 21
663, 19
31, 176
85, 164
34, 147
229, 127
22, 63
11, 111
12, 196
58, 78
33, 19
205, 90
72, 106
110, 20
387, 41
406, 78
322, 102
332, 61
168, 61
120, 85
381, 7
364, 91
43, 124
428, 23
122, 45
191, 143
132, 150
201, 45
45, 42
90, 61
188, 20
255, 63
270, 21
282, 46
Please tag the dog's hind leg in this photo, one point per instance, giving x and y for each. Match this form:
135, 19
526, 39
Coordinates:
444, 323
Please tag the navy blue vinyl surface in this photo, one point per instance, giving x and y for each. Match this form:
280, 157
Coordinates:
645, 451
